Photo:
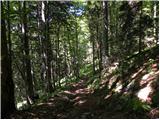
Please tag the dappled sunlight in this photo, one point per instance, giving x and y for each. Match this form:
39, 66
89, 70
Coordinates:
137, 73
113, 67
80, 102
43, 12
145, 76
21, 104
108, 96
40, 104
77, 98
118, 87
50, 103
69, 92
82, 91
144, 92
80, 59
149, 41
146, 81
112, 80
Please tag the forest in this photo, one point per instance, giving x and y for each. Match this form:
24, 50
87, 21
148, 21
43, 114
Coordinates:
80, 59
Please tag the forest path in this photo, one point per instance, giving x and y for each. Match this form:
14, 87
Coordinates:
80, 102
77, 102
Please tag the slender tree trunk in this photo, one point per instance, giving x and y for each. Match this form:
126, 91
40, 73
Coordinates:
99, 47
46, 45
29, 82
93, 44
7, 85
41, 52
65, 55
140, 29
22, 69
99, 44
156, 12
48, 51
58, 56
71, 58
93, 49
106, 28
9, 32
76, 51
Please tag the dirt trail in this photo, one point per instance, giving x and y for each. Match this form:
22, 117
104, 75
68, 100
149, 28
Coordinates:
79, 102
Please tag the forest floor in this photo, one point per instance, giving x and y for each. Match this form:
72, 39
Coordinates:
80, 102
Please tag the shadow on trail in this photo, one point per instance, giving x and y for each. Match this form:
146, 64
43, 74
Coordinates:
78, 101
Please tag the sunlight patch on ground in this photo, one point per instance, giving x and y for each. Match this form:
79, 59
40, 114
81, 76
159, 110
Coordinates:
80, 102
82, 91
111, 81
144, 93
108, 96
77, 98
113, 67
145, 76
20, 104
40, 104
49, 103
135, 74
69, 92
118, 87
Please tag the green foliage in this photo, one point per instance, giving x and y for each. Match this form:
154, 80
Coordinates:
86, 70
155, 99
136, 105
65, 42
94, 83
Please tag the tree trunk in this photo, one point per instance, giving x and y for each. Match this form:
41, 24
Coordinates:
140, 30
48, 51
29, 82
101, 55
106, 45
93, 45
7, 85
39, 26
58, 56
156, 19
9, 32
76, 52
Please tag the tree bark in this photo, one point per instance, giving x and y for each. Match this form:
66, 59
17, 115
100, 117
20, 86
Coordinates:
9, 32
58, 55
48, 51
140, 29
77, 53
7, 85
106, 45
156, 4
29, 82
